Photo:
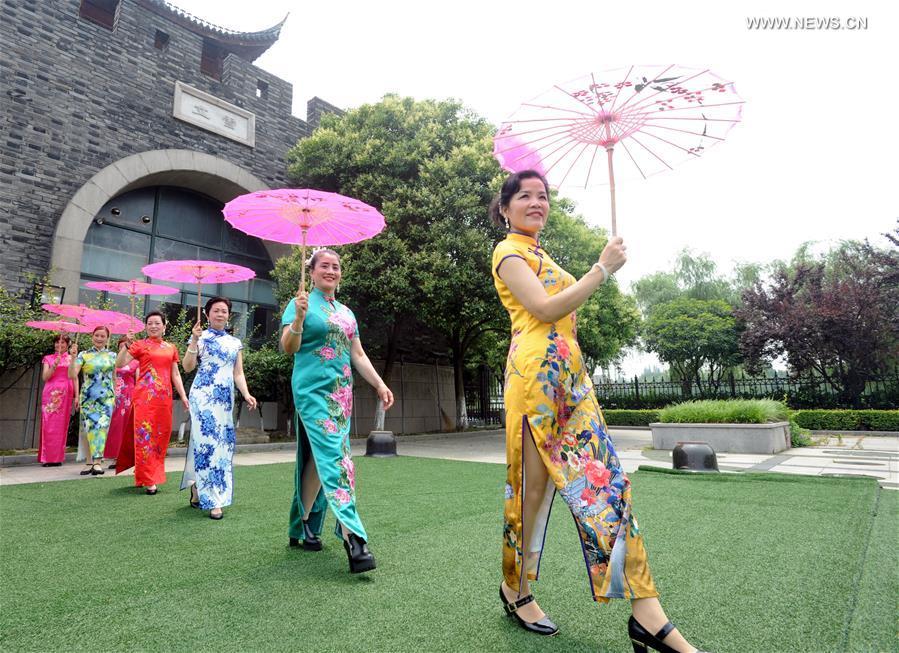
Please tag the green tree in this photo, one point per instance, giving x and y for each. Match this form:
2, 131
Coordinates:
834, 315
694, 276
426, 166
694, 335
20, 345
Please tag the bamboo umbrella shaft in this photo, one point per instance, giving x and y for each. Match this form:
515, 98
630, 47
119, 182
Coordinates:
609, 150
133, 298
303, 263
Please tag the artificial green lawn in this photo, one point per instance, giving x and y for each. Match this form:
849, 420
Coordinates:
744, 563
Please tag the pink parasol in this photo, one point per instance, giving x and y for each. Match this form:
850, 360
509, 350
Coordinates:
91, 318
198, 272
660, 115
86, 315
59, 325
124, 324
132, 288
304, 217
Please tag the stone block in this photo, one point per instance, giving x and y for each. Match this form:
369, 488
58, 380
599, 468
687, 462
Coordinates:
725, 438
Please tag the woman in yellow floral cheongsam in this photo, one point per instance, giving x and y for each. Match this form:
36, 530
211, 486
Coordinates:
556, 438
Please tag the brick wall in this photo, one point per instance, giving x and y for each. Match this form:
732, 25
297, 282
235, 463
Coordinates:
76, 97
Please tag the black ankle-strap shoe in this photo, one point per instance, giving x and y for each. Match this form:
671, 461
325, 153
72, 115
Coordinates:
544, 626
642, 638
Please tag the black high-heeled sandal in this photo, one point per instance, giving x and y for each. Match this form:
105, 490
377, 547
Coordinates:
97, 470
642, 638
357, 553
544, 626
190, 499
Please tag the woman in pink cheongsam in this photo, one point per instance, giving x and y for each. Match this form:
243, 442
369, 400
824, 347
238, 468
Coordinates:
56, 403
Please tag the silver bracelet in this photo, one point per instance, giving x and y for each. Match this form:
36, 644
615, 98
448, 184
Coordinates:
192, 351
605, 273
296, 333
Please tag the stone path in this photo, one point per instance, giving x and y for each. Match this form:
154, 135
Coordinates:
877, 457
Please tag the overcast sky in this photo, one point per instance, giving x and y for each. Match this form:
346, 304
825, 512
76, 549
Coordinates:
814, 159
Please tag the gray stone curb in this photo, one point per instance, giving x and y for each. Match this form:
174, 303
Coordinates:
176, 451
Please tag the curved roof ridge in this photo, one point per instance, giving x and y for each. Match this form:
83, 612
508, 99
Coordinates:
202, 26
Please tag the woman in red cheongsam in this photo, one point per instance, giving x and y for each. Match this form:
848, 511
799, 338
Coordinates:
151, 404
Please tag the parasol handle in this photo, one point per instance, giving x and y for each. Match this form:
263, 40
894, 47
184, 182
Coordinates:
303, 264
199, 298
609, 149
133, 298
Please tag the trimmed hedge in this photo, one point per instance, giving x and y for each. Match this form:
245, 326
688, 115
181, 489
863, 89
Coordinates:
630, 417
725, 411
848, 420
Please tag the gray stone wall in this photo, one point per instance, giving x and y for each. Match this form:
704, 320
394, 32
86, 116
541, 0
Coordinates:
416, 389
76, 97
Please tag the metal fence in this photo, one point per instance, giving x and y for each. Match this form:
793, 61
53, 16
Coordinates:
797, 392
484, 394
484, 399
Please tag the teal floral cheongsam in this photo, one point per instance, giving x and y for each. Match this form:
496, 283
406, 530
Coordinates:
210, 455
97, 396
322, 385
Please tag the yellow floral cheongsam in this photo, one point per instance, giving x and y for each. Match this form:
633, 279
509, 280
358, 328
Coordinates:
549, 397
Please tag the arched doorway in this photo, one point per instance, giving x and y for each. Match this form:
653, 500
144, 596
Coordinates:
199, 185
163, 223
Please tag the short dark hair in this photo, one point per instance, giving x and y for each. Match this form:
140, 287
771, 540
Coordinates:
317, 255
159, 314
217, 300
511, 185
104, 327
63, 336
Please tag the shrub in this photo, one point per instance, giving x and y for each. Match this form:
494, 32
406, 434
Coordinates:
725, 411
631, 417
268, 373
799, 437
848, 420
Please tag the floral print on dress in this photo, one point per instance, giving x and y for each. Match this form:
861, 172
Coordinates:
56, 408
549, 398
322, 384
54, 403
346, 479
209, 461
97, 396
342, 329
151, 405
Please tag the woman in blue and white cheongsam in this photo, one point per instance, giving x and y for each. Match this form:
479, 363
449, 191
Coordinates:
208, 468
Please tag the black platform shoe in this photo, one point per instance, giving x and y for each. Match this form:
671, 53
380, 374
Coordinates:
194, 503
358, 554
641, 638
311, 541
543, 627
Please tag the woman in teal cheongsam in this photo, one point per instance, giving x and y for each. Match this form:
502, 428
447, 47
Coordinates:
97, 398
323, 336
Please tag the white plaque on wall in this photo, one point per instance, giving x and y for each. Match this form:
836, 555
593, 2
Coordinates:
212, 114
